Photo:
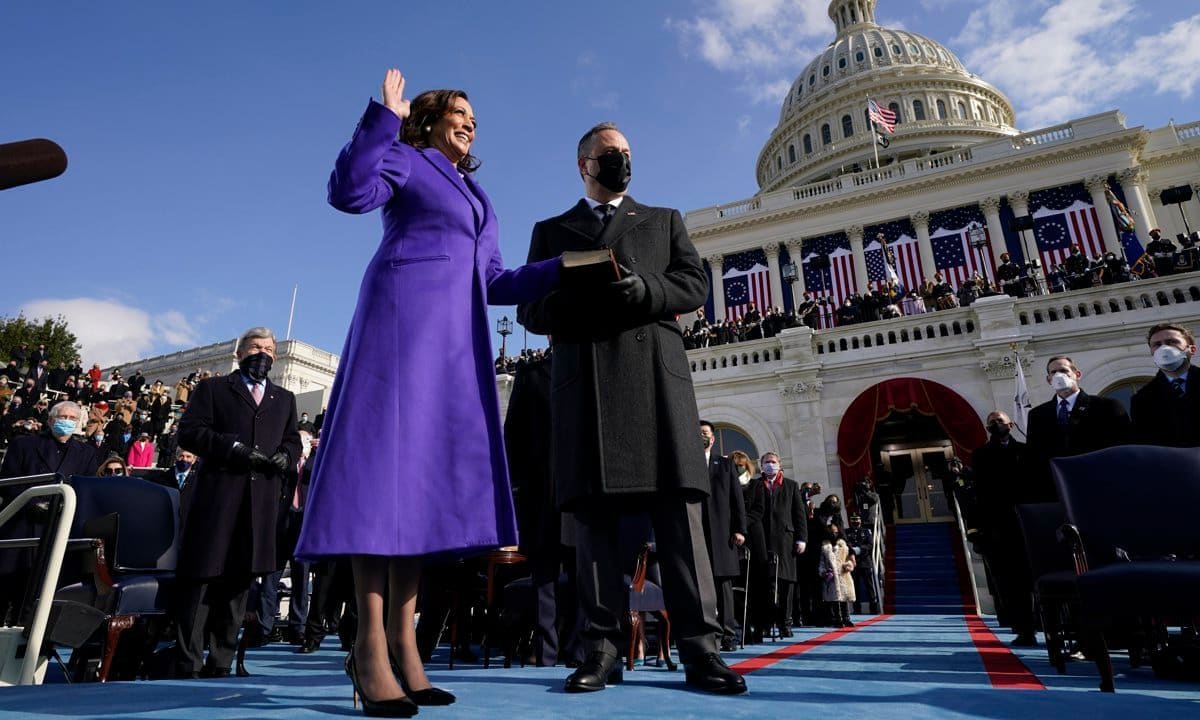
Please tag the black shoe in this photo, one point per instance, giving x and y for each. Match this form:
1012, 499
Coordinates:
208, 671
785, 632
310, 645
728, 645
599, 669
711, 674
401, 707
1025, 639
428, 696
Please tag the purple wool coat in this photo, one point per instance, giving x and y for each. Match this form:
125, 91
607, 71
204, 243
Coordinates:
412, 458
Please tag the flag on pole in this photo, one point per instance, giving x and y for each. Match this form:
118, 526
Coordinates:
882, 141
1121, 215
1021, 402
881, 116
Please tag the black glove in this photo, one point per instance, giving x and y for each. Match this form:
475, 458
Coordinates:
242, 452
630, 289
280, 462
259, 460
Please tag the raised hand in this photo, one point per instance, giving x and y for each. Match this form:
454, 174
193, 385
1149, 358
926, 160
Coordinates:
393, 93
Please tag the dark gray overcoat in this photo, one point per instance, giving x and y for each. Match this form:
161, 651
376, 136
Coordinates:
724, 515
623, 408
784, 521
219, 536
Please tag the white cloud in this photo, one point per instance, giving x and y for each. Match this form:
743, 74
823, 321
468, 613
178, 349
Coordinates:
1078, 57
110, 332
590, 84
767, 41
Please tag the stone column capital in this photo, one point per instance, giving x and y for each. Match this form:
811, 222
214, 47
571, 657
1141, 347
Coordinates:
795, 247
920, 217
772, 251
716, 259
1132, 176
1095, 183
1019, 196
855, 232
990, 205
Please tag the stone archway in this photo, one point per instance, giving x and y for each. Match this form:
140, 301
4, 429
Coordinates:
758, 431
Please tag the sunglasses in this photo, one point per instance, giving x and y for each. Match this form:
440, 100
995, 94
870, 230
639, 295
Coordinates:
114, 471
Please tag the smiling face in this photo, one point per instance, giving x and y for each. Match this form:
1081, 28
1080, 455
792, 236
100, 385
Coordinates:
454, 132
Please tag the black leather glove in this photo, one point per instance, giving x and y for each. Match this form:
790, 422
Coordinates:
280, 462
630, 289
241, 452
259, 460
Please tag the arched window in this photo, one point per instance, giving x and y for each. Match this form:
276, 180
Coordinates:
896, 49
807, 144
847, 126
941, 108
975, 110
791, 153
859, 56
895, 107
730, 438
812, 79
878, 52
962, 111
841, 63
779, 163
825, 71
826, 135
918, 110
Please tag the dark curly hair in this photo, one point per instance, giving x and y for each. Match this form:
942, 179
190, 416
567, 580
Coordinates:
424, 111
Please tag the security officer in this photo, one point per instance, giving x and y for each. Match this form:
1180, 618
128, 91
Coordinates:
861, 540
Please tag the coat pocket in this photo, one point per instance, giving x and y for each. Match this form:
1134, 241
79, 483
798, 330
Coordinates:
401, 262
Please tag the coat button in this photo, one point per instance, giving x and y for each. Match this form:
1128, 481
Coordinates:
632, 260
640, 336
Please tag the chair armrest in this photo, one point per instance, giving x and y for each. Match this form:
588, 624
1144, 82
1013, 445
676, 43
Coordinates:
1069, 535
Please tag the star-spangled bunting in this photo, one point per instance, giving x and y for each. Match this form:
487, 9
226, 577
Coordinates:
1063, 217
905, 254
837, 282
745, 279
951, 242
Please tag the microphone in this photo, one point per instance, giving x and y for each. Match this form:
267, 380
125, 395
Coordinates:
30, 161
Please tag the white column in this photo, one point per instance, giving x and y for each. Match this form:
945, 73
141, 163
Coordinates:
795, 252
1133, 184
776, 276
860, 259
920, 221
717, 263
1018, 200
1108, 229
991, 214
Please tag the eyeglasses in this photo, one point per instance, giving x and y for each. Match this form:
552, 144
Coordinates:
116, 470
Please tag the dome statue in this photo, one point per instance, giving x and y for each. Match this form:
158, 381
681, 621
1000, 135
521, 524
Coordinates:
824, 130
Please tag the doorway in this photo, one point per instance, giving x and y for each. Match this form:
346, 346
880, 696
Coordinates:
919, 480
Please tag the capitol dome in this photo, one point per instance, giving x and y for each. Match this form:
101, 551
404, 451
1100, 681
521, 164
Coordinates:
823, 129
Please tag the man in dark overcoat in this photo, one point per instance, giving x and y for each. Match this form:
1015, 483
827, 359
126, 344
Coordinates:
1166, 410
624, 410
55, 450
243, 427
725, 529
776, 502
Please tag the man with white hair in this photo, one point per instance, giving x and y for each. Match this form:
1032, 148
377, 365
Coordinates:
54, 451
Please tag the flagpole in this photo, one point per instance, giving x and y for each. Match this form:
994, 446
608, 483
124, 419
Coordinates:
292, 312
874, 137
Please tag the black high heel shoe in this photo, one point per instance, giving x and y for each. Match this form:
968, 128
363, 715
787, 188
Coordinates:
429, 696
402, 707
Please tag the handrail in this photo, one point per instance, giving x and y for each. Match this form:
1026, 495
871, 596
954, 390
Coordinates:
41, 612
967, 555
877, 552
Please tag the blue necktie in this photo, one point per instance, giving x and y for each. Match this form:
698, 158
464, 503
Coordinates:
1177, 386
1064, 412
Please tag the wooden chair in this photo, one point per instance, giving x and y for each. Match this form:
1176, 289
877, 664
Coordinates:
646, 597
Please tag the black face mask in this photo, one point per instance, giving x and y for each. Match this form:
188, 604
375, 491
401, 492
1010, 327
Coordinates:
182, 466
257, 365
999, 430
615, 171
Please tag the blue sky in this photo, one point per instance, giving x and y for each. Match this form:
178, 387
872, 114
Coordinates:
201, 134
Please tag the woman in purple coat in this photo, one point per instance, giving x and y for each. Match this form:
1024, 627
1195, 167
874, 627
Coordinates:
416, 381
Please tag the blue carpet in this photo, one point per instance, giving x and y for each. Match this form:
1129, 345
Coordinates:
907, 666
924, 571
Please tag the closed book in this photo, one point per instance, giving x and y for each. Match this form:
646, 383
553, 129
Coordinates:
589, 267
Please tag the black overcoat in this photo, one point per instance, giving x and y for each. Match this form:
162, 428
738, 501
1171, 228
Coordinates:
784, 521
1095, 423
724, 515
623, 409
1161, 417
216, 540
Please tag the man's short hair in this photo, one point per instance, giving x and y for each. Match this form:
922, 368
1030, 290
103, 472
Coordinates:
764, 456
1070, 362
65, 405
1187, 334
585, 142
710, 426
253, 333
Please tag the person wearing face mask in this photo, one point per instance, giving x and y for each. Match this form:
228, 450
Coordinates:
624, 437
776, 503
725, 531
1166, 410
306, 424
244, 426
1070, 423
141, 452
53, 451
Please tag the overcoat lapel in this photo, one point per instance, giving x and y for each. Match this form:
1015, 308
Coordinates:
628, 216
239, 388
442, 163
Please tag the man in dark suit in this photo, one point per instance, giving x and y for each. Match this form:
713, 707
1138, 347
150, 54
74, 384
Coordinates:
624, 433
243, 427
999, 487
1166, 410
725, 530
181, 475
1070, 423
53, 451
776, 503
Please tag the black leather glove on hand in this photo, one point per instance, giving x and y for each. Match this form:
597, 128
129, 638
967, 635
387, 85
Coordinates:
630, 289
259, 461
242, 453
280, 462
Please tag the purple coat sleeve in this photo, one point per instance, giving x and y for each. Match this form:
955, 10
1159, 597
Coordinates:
528, 283
372, 166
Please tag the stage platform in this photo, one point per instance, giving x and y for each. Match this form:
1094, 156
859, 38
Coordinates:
897, 666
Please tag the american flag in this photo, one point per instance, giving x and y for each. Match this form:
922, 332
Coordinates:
746, 280
905, 253
1063, 217
951, 241
838, 281
881, 116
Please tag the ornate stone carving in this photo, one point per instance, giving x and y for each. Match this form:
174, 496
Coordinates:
1020, 197
803, 390
920, 217
1006, 366
795, 249
1132, 176
1095, 183
990, 205
855, 232
772, 251
716, 260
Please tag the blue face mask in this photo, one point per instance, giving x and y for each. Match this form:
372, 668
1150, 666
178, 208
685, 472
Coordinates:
63, 428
